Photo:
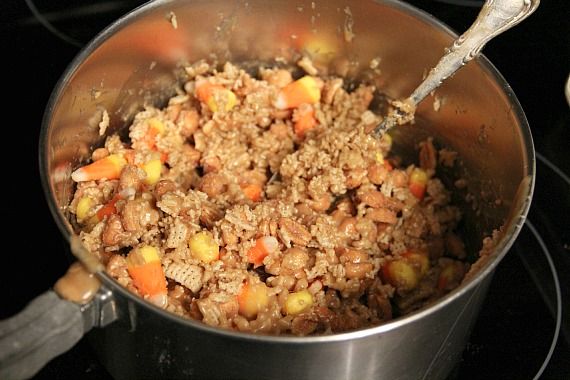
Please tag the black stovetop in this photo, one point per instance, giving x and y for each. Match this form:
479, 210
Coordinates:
524, 325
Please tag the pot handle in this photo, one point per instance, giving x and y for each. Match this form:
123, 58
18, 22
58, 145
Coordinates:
53, 323
46, 328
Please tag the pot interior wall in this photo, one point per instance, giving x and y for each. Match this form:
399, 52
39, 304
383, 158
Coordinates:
138, 59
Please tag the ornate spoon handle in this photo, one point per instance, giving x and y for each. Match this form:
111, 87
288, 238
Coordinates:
495, 17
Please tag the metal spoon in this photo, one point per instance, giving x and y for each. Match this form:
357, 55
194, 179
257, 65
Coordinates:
495, 17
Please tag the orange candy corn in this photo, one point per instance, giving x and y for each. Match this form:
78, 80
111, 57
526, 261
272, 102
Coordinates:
144, 267
304, 120
109, 167
304, 90
263, 247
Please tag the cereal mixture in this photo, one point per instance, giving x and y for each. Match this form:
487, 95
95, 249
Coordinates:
262, 204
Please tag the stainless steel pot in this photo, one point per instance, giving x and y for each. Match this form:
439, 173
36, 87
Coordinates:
135, 60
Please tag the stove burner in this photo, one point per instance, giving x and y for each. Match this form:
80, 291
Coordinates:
518, 333
49, 26
463, 3
546, 253
554, 168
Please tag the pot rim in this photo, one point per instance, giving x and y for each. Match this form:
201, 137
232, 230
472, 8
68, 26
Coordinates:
500, 250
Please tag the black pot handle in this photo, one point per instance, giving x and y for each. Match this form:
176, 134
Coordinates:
53, 323
46, 328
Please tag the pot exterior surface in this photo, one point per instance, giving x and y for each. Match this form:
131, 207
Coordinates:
144, 345
136, 61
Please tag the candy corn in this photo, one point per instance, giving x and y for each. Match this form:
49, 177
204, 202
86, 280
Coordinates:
109, 167
83, 207
252, 191
418, 260
304, 120
418, 182
203, 247
304, 90
107, 209
153, 169
400, 274
155, 128
216, 96
252, 298
263, 247
451, 275
298, 302
144, 267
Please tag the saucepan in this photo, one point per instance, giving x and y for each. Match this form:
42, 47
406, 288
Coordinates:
136, 61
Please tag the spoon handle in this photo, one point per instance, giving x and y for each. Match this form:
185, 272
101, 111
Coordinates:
495, 17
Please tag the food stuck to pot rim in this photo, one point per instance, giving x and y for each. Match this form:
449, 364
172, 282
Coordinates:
261, 203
